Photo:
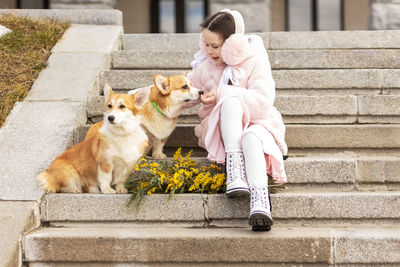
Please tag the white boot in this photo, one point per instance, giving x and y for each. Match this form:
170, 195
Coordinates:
260, 209
236, 182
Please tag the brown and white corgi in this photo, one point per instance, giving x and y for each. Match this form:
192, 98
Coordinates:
106, 158
166, 99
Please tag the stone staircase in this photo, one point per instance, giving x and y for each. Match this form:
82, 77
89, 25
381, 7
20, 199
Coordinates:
339, 94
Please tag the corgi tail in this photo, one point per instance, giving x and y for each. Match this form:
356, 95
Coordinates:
48, 183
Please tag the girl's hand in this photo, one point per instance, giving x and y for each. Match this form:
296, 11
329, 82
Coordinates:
209, 98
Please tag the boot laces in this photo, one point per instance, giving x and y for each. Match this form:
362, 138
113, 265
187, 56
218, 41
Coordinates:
235, 166
260, 197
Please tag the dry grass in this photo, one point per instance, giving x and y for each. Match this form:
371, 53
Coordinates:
23, 54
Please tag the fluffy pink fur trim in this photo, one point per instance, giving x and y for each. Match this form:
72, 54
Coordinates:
235, 49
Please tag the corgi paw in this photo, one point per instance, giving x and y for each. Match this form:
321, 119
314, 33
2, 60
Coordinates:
121, 189
108, 190
94, 190
159, 156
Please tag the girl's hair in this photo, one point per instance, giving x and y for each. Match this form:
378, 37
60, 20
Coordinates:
221, 22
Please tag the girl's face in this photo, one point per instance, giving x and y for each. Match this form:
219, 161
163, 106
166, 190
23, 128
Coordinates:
213, 42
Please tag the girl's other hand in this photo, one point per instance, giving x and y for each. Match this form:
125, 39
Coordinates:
209, 98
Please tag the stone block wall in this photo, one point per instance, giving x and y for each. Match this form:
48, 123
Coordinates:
83, 4
385, 15
256, 13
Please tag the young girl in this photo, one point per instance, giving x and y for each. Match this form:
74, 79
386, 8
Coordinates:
239, 124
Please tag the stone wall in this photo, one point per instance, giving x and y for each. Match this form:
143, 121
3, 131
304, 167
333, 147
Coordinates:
82, 4
256, 13
385, 15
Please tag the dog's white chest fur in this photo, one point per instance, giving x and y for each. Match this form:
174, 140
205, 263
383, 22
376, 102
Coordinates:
127, 148
160, 127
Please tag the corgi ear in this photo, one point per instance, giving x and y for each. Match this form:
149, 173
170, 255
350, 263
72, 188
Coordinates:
108, 92
162, 84
140, 96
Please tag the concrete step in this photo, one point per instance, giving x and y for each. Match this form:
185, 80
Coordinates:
377, 136
180, 245
301, 208
304, 136
279, 59
305, 109
303, 82
274, 40
311, 168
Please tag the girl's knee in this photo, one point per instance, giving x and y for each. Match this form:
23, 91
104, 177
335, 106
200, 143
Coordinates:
251, 140
231, 105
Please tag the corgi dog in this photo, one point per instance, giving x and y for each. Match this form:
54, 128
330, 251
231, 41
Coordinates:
106, 158
166, 99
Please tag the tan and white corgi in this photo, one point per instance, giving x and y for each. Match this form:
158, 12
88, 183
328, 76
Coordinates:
166, 99
106, 158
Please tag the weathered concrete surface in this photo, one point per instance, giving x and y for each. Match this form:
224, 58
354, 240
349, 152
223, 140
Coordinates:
197, 207
378, 170
78, 80
178, 245
300, 106
15, 219
343, 136
274, 40
313, 136
297, 206
334, 39
367, 246
80, 56
100, 207
325, 80
90, 39
279, 59
34, 134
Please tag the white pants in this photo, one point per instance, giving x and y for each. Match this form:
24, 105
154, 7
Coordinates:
250, 145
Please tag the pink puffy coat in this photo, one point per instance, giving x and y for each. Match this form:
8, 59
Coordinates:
253, 84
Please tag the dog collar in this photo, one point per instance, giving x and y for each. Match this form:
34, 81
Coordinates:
154, 103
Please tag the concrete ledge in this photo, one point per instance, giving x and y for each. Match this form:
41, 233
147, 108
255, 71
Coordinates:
296, 109
34, 134
274, 40
185, 245
382, 246
294, 206
101, 207
77, 16
379, 105
292, 245
372, 136
343, 136
328, 79
177, 41
334, 39
90, 39
290, 207
16, 218
287, 105
279, 59
69, 77
325, 80
375, 170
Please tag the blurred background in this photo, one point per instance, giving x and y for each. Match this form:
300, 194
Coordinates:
184, 16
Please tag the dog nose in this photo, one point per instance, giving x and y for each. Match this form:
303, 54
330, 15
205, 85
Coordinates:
111, 118
201, 92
